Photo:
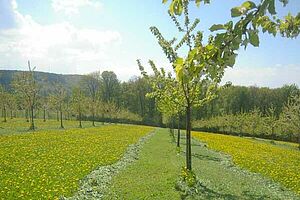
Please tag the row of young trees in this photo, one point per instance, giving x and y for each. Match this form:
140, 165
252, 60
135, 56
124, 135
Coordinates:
285, 126
198, 61
199, 65
94, 98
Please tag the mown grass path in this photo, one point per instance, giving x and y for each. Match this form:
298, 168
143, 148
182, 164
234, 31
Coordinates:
154, 175
280, 161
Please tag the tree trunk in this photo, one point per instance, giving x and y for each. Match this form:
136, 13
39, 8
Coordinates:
188, 138
26, 115
4, 114
178, 132
44, 114
173, 127
299, 141
79, 116
31, 118
57, 117
102, 119
80, 125
61, 117
11, 114
93, 122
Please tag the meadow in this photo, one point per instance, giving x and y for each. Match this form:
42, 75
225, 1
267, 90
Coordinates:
49, 163
279, 161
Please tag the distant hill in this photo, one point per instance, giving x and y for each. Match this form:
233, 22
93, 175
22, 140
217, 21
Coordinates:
45, 78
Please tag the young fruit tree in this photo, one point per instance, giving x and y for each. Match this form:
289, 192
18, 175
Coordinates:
11, 104
169, 99
199, 65
77, 103
4, 96
59, 97
26, 86
271, 121
291, 116
92, 85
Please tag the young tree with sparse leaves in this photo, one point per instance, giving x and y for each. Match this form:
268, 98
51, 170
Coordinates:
271, 121
290, 116
59, 98
26, 86
77, 103
4, 100
92, 83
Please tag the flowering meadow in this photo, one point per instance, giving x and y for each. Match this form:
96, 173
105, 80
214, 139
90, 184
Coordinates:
278, 162
49, 163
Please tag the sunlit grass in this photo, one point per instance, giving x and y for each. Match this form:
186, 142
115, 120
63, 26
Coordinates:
19, 125
279, 163
47, 164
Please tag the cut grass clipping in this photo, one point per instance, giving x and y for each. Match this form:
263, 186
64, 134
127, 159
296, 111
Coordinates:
48, 164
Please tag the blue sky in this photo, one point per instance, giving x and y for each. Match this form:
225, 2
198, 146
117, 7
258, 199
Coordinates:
81, 36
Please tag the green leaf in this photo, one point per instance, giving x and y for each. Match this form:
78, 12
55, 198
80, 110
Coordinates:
229, 25
198, 2
176, 7
271, 7
164, 1
216, 27
231, 60
210, 47
171, 9
249, 5
235, 12
179, 68
253, 37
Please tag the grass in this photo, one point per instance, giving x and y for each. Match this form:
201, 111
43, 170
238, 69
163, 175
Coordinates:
156, 172
153, 176
285, 144
19, 125
49, 163
278, 162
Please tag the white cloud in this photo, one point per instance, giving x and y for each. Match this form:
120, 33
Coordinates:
71, 7
264, 76
57, 47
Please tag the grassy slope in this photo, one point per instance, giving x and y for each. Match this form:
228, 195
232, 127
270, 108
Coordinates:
154, 175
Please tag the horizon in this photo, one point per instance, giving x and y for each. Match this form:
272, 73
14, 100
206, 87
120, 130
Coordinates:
257, 86
85, 36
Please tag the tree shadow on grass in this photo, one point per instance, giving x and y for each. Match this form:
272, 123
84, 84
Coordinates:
206, 157
250, 195
200, 191
208, 193
182, 143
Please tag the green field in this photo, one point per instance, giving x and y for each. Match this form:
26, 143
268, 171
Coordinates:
159, 169
277, 160
19, 125
49, 163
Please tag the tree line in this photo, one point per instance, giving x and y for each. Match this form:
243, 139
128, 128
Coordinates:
270, 124
102, 97
97, 97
